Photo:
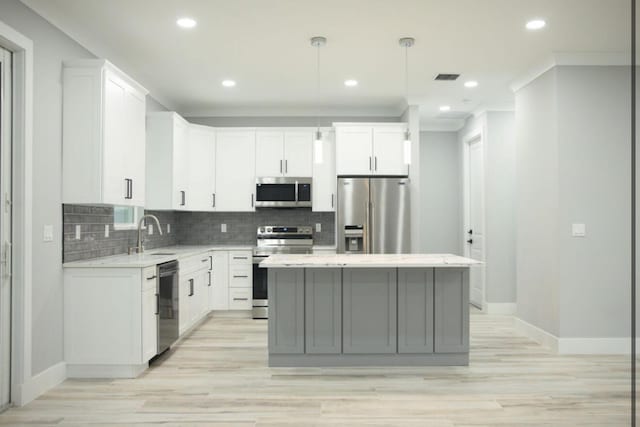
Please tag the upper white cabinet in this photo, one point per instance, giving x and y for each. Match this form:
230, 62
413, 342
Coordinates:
202, 162
370, 149
284, 153
103, 135
235, 170
324, 175
168, 160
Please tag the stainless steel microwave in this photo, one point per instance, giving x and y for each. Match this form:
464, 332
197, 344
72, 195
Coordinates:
283, 192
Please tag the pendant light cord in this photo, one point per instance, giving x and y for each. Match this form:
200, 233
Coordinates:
318, 87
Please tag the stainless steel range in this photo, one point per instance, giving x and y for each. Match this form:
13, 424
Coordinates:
275, 239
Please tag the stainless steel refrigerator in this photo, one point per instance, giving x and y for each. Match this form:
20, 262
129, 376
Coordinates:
373, 215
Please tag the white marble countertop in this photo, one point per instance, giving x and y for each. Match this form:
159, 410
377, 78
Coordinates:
147, 259
367, 261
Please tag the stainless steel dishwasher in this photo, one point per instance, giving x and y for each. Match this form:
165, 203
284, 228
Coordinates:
167, 309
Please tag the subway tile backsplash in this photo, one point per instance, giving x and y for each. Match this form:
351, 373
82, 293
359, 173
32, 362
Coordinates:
187, 228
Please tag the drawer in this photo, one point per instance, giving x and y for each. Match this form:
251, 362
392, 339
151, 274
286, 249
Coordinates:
240, 299
149, 278
240, 277
194, 263
240, 258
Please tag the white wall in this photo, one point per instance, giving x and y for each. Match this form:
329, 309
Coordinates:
572, 131
440, 174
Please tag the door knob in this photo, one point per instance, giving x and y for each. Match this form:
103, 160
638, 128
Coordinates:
470, 241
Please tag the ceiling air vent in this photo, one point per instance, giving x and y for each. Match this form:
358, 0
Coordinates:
447, 77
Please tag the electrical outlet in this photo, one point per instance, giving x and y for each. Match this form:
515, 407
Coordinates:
578, 230
150, 229
47, 233
78, 231
318, 227
223, 228
106, 230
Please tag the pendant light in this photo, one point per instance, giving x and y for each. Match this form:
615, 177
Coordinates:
318, 42
406, 43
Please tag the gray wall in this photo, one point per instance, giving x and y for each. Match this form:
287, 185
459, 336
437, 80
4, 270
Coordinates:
51, 47
440, 190
282, 121
572, 166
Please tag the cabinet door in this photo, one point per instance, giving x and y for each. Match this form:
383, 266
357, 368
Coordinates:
149, 324
235, 171
323, 188
298, 153
134, 154
181, 193
388, 151
184, 314
202, 152
415, 310
269, 153
286, 310
200, 297
220, 281
114, 150
354, 150
369, 310
451, 310
323, 310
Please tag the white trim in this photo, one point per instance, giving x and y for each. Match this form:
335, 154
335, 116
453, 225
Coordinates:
295, 111
599, 345
21, 333
105, 371
568, 59
441, 125
502, 308
40, 383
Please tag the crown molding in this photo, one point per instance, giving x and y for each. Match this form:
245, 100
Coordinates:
571, 59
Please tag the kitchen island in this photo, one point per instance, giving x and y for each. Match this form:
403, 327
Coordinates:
368, 310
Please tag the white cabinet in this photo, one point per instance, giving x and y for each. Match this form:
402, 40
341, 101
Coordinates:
193, 292
370, 149
235, 171
103, 134
323, 189
168, 160
284, 153
202, 161
240, 280
149, 313
219, 290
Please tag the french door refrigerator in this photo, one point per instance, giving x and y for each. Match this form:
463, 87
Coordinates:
373, 215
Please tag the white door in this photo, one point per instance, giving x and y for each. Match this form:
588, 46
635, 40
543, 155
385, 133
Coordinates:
135, 116
298, 154
354, 150
202, 154
388, 151
235, 171
475, 233
5, 227
323, 188
181, 193
270, 153
114, 150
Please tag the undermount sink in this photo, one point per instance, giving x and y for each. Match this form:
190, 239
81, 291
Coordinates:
163, 253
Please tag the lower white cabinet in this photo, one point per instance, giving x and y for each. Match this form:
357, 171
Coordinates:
193, 290
232, 280
109, 321
219, 289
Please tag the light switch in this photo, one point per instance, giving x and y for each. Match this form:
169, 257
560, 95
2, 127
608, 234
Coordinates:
223, 228
578, 230
78, 231
168, 228
150, 229
318, 227
106, 230
47, 233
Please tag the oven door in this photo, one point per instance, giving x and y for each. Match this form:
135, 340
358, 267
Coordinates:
260, 297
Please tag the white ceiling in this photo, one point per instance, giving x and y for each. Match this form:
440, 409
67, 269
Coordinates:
264, 46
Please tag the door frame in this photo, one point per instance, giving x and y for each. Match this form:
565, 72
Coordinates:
476, 135
23, 386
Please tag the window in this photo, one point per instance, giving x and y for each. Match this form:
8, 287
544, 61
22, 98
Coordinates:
126, 217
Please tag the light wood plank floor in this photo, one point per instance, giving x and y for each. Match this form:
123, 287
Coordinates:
218, 376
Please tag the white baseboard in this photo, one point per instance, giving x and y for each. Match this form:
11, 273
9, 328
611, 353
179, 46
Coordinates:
599, 345
105, 371
505, 308
39, 384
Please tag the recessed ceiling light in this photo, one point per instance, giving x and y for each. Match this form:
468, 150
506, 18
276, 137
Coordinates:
471, 83
186, 22
536, 24
445, 108
228, 83
351, 83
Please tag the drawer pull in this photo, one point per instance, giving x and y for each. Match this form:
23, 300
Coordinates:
205, 260
240, 277
151, 278
191, 290
240, 299
240, 257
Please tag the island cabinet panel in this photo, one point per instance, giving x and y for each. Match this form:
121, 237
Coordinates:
323, 310
369, 310
286, 310
451, 310
415, 310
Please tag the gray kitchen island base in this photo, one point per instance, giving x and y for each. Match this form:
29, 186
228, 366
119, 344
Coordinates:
368, 316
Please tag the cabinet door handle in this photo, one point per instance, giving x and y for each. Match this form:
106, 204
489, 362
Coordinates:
213, 203
286, 166
183, 198
151, 278
191, 287
376, 163
240, 277
280, 166
369, 162
128, 189
332, 200
209, 279
251, 199
240, 299
157, 304
210, 262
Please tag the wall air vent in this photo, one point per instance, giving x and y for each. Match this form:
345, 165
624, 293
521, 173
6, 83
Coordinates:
447, 77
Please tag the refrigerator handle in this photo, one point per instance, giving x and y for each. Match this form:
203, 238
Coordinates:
365, 233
